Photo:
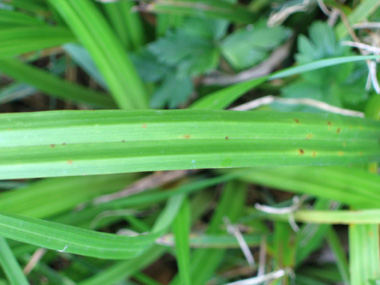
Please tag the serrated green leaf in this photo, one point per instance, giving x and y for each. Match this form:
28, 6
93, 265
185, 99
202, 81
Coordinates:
247, 47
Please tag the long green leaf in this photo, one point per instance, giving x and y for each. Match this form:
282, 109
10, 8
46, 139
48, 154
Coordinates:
16, 41
181, 230
53, 85
351, 186
10, 265
71, 239
99, 142
10, 18
94, 33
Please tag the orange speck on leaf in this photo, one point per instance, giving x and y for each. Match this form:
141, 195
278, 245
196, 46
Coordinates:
186, 136
314, 154
297, 121
309, 136
52, 145
69, 162
144, 126
301, 151
338, 130
340, 153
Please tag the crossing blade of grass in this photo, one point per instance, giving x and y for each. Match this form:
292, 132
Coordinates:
364, 253
125, 269
66, 143
360, 13
9, 18
351, 186
337, 248
16, 41
205, 261
208, 8
53, 85
50, 197
94, 33
222, 98
126, 23
71, 239
181, 230
10, 265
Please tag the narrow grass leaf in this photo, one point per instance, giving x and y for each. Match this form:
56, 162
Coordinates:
222, 98
9, 18
53, 85
364, 253
70, 239
88, 24
65, 143
10, 265
336, 246
16, 41
181, 230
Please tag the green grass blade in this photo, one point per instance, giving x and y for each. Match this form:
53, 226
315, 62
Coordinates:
65, 143
71, 239
364, 253
10, 265
361, 12
340, 217
9, 18
352, 186
181, 230
222, 98
59, 194
16, 41
90, 27
125, 269
208, 8
53, 85
337, 248
126, 23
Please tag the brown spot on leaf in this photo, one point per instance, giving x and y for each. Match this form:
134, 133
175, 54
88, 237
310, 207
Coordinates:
186, 136
340, 153
329, 123
70, 162
144, 126
226, 137
63, 143
123, 141
338, 130
314, 154
52, 145
301, 151
309, 136
297, 121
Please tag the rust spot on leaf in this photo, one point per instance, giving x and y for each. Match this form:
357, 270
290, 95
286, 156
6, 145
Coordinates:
338, 130
329, 123
52, 145
70, 162
186, 136
144, 126
301, 151
63, 143
309, 136
314, 154
297, 121
226, 137
340, 153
